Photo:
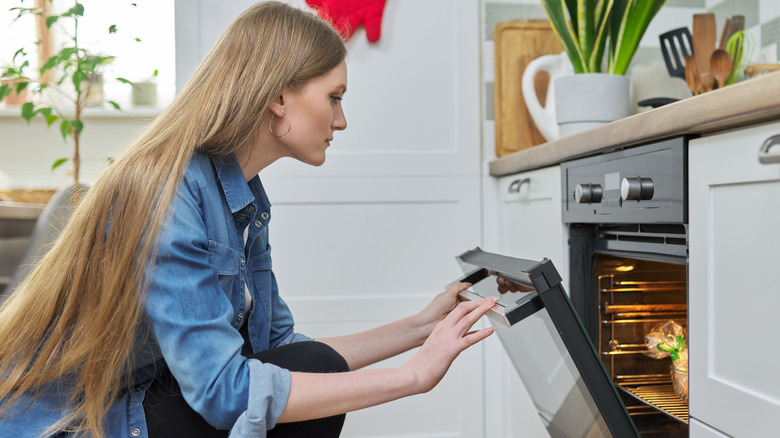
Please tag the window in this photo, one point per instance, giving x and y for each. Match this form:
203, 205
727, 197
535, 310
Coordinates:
143, 41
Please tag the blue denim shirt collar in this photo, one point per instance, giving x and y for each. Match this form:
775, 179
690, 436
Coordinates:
238, 192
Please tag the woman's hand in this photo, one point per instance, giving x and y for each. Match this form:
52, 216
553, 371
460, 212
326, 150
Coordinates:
440, 307
448, 339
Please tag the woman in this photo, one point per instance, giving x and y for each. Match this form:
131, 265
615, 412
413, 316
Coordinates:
156, 312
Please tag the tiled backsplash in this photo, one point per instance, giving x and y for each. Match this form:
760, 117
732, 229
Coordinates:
762, 20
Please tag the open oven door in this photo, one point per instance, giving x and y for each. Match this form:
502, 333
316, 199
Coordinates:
548, 346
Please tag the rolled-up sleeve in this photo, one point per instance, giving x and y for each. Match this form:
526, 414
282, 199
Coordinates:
191, 317
263, 412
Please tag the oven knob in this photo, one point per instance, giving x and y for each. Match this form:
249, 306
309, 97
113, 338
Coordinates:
637, 189
587, 193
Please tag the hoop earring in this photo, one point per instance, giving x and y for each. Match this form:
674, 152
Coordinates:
289, 126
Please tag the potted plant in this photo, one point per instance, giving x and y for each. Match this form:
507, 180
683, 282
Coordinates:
66, 74
144, 92
599, 37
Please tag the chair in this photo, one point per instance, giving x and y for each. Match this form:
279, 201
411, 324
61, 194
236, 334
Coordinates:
47, 228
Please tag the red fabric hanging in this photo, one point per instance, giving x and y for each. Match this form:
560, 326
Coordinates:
348, 15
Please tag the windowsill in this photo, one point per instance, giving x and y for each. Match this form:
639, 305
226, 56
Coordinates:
105, 111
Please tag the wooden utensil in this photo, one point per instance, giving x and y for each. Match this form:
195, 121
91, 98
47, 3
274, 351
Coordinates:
691, 75
724, 34
720, 65
705, 36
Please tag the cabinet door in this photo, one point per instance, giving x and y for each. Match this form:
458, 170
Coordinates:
352, 254
734, 212
527, 225
530, 221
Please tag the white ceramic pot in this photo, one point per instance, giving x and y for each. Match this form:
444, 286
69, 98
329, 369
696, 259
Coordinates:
587, 100
575, 102
145, 94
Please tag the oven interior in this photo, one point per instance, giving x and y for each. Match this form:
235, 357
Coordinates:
634, 296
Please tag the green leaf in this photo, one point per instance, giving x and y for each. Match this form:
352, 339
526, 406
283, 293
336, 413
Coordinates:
5, 90
77, 10
115, 105
21, 86
58, 163
138, 40
634, 20
65, 128
124, 81
50, 20
77, 125
556, 13
112, 28
28, 111
78, 77
50, 119
19, 52
49, 64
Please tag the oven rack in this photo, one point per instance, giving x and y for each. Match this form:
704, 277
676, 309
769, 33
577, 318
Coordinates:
658, 392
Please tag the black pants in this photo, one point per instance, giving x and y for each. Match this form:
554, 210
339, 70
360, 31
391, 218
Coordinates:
169, 416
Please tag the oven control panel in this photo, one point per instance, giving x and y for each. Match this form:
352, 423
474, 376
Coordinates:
642, 184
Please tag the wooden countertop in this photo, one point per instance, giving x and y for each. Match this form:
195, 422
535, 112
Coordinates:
745, 103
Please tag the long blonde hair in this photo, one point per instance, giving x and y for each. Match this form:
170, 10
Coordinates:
75, 317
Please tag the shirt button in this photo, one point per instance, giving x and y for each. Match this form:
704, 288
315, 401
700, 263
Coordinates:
258, 224
250, 209
240, 316
242, 216
264, 215
135, 432
243, 262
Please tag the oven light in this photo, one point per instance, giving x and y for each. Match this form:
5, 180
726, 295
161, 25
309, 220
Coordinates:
626, 268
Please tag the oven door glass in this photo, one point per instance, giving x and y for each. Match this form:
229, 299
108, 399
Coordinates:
548, 346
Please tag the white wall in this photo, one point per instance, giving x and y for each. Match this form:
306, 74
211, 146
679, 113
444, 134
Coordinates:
370, 236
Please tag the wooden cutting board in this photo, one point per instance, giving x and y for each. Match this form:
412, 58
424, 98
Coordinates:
516, 44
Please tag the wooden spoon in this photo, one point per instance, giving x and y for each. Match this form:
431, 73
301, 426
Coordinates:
725, 34
691, 75
705, 36
720, 65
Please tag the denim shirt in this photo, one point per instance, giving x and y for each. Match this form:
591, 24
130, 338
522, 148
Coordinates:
194, 307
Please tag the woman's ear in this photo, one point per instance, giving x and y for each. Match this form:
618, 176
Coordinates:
278, 105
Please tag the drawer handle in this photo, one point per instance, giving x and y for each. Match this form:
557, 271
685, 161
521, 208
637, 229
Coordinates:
516, 184
765, 155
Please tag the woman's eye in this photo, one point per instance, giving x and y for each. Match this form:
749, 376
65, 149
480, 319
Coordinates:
336, 99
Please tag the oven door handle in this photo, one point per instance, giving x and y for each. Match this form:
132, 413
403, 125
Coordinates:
766, 155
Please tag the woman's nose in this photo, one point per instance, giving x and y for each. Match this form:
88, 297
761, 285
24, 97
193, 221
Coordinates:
339, 121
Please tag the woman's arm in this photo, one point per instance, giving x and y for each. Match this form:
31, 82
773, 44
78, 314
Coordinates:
371, 346
323, 395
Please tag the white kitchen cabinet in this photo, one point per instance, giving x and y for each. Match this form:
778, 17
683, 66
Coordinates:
528, 225
350, 255
734, 212
529, 221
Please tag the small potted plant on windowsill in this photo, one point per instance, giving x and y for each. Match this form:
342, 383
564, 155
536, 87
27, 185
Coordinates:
589, 30
60, 91
144, 92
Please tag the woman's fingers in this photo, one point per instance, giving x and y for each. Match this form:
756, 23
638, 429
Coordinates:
475, 336
467, 307
467, 313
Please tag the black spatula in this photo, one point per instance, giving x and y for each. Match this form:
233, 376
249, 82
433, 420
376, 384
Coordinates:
675, 46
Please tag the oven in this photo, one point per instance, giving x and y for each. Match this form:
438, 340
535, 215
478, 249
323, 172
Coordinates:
626, 212
582, 355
